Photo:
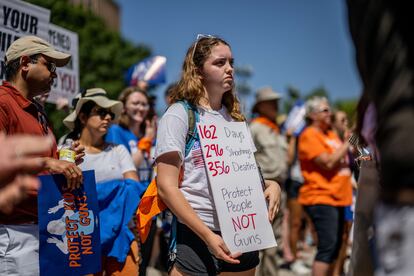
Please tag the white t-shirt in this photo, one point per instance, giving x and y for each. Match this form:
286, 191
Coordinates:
171, 135
109, 164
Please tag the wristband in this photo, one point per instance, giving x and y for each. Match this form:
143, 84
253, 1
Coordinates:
145, 144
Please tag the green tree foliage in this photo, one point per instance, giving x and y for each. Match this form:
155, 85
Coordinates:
349, 107
318, 91
104, 56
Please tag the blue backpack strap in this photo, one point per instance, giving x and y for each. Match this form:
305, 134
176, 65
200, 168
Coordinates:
172, 246
193, 118
192, 136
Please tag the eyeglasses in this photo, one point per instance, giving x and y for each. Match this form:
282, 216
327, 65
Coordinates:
325, 110
199, 37
102, 112
50, 65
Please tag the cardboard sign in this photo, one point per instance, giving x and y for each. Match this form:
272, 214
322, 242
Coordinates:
66, 85
17, 19
69, 240
236, 186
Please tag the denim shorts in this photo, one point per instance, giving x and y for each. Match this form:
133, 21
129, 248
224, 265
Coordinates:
348, 213
194, 258
329, 223
292, 188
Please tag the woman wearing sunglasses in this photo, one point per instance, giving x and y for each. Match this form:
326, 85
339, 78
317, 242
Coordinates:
89, 123
327, 182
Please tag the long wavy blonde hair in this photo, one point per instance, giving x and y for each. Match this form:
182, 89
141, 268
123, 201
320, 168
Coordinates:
190, 87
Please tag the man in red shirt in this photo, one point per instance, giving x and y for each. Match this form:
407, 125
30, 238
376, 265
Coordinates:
30, 71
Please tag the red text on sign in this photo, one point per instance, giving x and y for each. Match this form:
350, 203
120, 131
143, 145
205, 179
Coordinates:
218, 168
207, 132
213, 149
243, 222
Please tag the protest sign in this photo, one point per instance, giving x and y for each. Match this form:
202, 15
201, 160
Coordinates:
236, 186
295, 120
17, 19
69, 240
66, 85
151, 70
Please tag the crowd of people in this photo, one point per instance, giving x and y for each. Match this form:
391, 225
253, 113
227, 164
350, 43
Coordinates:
314, 170
310, 176
113, 138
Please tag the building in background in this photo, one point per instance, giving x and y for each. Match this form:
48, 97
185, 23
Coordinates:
108, 10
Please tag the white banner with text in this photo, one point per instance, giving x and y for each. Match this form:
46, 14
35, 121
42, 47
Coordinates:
17, 19
66, 85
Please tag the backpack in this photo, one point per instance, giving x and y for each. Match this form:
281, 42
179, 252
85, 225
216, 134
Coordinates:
150, 204
193, 118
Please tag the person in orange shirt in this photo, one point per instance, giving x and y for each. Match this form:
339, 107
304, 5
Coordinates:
327, 182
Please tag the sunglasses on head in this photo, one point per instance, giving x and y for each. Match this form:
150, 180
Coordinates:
199, 37
102, 112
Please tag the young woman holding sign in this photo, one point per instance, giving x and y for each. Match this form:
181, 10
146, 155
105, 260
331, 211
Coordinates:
207, 84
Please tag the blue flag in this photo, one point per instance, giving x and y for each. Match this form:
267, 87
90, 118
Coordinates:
118, 201
151, 70
69, 240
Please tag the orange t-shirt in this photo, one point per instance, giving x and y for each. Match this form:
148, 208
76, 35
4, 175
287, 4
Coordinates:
329, 187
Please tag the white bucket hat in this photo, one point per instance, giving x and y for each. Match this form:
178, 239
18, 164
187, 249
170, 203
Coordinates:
98, 96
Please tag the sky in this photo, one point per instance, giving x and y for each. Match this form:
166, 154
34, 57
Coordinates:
300, 43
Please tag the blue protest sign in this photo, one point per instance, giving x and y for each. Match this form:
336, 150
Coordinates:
151, 70
69, 240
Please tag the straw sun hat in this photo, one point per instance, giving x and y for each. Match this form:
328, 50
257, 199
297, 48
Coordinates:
97, 95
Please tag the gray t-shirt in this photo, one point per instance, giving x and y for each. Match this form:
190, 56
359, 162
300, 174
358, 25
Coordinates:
109, 164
